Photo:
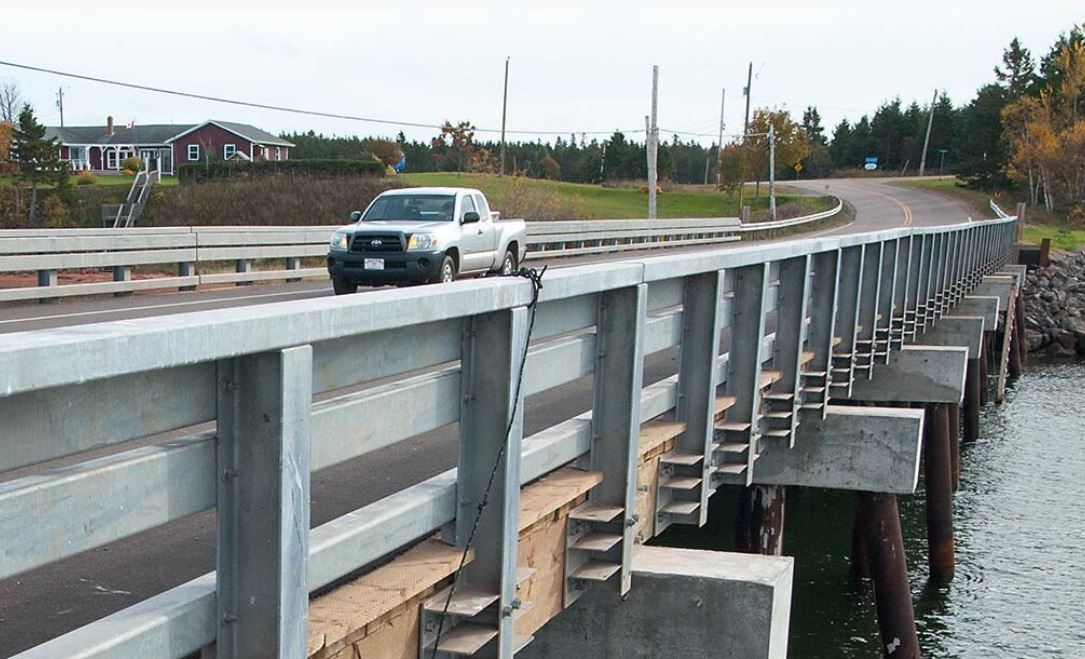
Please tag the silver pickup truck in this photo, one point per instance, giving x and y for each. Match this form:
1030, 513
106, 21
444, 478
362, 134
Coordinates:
423, 235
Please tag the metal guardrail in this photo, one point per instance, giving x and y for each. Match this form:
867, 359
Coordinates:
793, 222
192, 249
391, 365
997, 210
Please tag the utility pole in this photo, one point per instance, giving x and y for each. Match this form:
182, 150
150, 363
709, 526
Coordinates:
707, 159
60, 104
927, 140
653, 146
746, 122
772, 170
504, 106
745, 129
719, 145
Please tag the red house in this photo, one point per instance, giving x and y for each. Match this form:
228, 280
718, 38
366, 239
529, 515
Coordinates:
103, 149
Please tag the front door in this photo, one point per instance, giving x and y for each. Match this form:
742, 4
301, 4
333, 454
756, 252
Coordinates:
150, 159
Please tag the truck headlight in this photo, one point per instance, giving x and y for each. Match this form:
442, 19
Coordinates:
340, 241
422, 242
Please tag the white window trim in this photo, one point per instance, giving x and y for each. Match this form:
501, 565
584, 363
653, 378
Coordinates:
226, 153
191, 147
278, 153
112, 159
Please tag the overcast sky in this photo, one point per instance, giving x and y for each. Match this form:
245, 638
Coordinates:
576, 66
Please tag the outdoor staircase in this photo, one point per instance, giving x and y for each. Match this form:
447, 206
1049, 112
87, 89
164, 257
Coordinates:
128, 213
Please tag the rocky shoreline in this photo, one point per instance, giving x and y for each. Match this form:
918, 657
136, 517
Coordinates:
1055, 307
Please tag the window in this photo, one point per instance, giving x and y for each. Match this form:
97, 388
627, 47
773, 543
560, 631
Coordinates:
228, 150
483, 207
193, 151
468, 205
411, 208
112, 158
77, 153
278, 153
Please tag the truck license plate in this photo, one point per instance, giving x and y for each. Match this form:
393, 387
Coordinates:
374, 264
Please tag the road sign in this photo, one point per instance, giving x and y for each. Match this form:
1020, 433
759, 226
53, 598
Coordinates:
871, 163
798, 167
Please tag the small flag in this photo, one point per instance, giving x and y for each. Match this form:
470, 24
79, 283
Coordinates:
131, 124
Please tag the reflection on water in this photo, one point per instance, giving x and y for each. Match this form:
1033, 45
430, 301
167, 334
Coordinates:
1019, 590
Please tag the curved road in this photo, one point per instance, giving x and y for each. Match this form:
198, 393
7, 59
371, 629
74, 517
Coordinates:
50, 601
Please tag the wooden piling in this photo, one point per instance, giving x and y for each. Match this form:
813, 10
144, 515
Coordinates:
955, 443
759, 524
889, 572
939, 495
972, 398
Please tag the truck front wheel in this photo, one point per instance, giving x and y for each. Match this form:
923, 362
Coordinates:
344, 287
448, 270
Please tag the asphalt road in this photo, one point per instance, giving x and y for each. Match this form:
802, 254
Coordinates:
50, 601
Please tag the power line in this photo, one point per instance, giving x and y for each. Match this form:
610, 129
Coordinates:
282, 108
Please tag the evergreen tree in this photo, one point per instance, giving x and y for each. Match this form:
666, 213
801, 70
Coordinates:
1018, 70
37, 158
811, 123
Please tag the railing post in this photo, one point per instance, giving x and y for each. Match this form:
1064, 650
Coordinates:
883, 329
745, 357
122, 273
902, 292
791, 310
847, 315
825, 291
264, 403
870, 288
697, 377
47, 278
293, 263
489, 451
243, 265
617, 380
186, 270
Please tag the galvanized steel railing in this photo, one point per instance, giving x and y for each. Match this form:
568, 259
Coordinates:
394, 364
199, 254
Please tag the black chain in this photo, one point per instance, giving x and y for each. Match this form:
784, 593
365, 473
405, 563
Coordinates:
535, 277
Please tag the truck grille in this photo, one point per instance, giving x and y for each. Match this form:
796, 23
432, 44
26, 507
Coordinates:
377, 243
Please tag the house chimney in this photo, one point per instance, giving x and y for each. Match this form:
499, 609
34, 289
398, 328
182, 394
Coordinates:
109, 125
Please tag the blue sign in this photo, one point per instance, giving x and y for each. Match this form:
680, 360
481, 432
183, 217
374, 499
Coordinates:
871, 159
871, 164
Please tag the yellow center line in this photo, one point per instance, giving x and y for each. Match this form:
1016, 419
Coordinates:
903, 206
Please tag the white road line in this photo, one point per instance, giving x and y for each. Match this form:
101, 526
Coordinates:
102, 312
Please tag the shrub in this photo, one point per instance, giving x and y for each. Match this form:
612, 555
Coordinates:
132, 164
211, 171
86, 178
521, 199
263, 201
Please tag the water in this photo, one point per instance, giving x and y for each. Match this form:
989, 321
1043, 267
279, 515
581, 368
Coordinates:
1019, 591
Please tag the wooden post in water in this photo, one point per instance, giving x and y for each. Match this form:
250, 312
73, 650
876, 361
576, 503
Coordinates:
759, 524
1019, 326
889, 571
937, 471
972, 397
955, 443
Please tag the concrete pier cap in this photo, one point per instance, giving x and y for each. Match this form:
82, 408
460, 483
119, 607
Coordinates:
683, 603
867, 449
917, 374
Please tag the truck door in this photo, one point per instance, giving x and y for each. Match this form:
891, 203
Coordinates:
476, 239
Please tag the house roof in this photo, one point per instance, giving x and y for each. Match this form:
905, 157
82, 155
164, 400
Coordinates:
244, 131
154, 133
148, 134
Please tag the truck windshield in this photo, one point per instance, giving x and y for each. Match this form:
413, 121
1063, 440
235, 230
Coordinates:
412, 208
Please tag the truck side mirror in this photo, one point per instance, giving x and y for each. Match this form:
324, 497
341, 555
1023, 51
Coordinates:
470, 217
355, 216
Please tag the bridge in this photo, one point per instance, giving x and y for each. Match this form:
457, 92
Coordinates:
835, 361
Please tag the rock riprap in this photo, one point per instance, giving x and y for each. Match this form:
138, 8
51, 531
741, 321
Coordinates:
1055, 306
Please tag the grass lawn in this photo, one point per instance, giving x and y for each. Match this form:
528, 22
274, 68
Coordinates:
1066, 240
597, 202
